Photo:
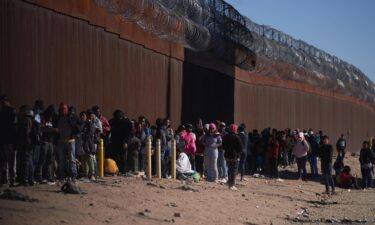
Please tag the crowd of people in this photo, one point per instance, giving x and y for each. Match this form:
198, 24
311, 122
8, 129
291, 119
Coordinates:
42, 145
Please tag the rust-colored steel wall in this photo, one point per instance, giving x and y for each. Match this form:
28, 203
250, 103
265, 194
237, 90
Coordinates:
55, 57
263, 106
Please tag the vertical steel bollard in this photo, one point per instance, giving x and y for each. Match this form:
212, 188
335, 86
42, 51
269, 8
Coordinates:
173, 159
158, 159
148, 158
101, 158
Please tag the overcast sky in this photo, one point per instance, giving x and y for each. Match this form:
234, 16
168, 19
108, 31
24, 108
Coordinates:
345, 28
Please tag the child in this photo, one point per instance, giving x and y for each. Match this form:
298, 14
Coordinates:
325, 153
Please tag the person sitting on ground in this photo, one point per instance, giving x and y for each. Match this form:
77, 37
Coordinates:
325, 152
346, 180
183, 165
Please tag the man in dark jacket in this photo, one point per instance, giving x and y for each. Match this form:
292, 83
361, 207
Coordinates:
121, 128
25, 150
8, 120
66, 151
312, 155
326, 153
233, 150
367, 160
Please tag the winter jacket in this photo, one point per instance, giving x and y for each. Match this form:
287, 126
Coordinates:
301, 148
273, 149
120, 131
212, 141
366, 156
24, 128
189, 139
8, 121
325, 154
232, 146
341, 144
244, 141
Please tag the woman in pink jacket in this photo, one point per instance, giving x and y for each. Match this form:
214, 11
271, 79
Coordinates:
300, 151
190, 147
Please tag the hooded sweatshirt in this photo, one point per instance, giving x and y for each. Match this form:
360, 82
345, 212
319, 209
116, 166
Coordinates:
301, 148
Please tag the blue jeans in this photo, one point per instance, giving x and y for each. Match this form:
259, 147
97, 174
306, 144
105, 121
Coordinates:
222, 165
210, 163
366, 177
301, 164
328, 179
232, 172
313, 165
67, 159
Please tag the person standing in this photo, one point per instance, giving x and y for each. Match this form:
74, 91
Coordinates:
367, 160
222, 164
273, 155
121, 128
190, 147
300, 150
313, 154
211, 141
233, 151
326, 154
341, 146
244, 143
25, 150
66, 150
8, 123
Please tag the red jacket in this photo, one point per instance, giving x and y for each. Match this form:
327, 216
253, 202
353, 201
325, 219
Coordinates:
273, 149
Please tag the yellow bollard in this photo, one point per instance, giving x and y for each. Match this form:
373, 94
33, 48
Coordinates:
158, 159
173, 159
101, 158
148, 158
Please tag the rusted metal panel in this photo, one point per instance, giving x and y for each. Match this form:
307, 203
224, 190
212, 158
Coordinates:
265, 106
59, 58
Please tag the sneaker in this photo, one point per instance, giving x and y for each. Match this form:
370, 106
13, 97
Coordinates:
92, 178
51, 183
243, 179
233, 188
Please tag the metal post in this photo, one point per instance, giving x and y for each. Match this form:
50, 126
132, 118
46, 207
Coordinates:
158, 159
101, 159
173, 160
148, 158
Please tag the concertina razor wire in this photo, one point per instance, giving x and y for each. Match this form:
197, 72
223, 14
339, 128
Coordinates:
216, 26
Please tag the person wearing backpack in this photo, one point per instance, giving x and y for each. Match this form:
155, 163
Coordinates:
341, 146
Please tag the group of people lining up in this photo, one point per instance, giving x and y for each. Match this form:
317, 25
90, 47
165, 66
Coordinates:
39, 144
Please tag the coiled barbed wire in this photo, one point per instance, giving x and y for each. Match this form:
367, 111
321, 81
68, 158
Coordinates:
214, 25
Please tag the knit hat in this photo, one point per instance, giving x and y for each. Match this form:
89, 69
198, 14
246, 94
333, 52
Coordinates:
233, 128
212, 126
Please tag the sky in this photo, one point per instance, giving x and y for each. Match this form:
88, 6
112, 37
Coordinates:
344, 28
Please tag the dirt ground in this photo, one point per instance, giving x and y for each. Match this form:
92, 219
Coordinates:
129, 200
